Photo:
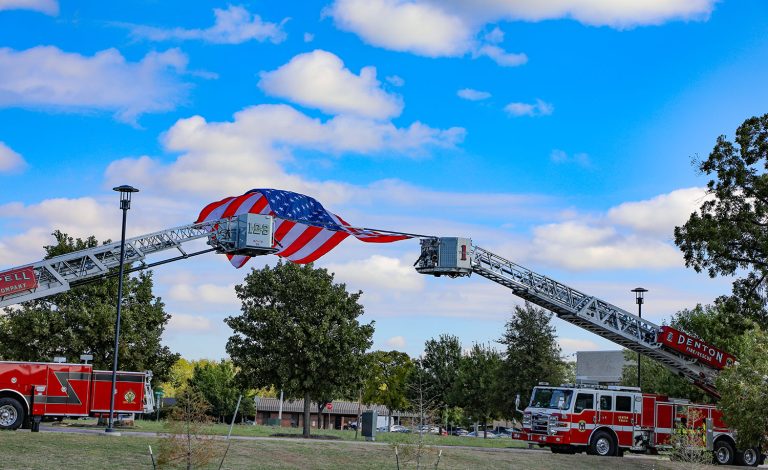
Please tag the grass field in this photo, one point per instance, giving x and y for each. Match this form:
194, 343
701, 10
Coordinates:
266, 431
54, 450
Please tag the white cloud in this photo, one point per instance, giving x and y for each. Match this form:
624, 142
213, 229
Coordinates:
577, 245
309, 37
251, 150
539, 108
560, 156
180, 322
10, 161
319, 79
47, 77
500, 56
453, 28
659, 215
394, 80
396, 342
235, 25
617, 14
205, 292
379, 272
49, 7
419, 27
473, 95
572, 345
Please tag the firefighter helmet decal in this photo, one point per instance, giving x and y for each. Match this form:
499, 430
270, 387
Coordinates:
582, 426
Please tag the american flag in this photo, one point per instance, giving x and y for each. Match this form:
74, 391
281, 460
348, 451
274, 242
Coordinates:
304, 230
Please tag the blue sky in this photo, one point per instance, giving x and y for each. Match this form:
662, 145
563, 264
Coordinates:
558, 134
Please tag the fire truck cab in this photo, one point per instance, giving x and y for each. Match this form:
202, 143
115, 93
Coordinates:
610, 420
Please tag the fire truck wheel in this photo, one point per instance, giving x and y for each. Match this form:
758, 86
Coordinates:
602, 444
11, 413
749, 458
724, 453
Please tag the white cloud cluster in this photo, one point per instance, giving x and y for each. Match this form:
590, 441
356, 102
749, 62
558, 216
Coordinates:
251, 150
660, 214
396, 342
379, 273
630, 235
49, 7
473, 95
183, 323
235, 25
318, 79
539, 108
452, 28
9, 160
47, 77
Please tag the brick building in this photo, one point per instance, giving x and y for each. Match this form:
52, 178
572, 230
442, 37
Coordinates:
336, 416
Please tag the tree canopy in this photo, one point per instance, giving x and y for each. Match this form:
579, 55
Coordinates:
82, 321
298, 331
728, 234
479, 387
532, 354
387, 379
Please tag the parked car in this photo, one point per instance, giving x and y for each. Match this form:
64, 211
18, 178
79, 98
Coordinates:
459, 432
488, 435
398, 428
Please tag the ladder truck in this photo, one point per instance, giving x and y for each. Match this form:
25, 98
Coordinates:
601, 420
30, 391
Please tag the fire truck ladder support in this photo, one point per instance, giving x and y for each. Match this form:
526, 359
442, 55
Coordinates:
61, 273
443, 256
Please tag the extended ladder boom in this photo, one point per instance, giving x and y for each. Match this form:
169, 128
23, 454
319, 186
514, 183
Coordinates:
235, 235
458, 257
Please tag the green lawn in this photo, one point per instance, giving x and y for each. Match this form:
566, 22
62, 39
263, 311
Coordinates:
25, 450
265, 431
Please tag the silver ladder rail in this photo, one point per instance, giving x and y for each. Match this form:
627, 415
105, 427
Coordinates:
60, 273
456, 257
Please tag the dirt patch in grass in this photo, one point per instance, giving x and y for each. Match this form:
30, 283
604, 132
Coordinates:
311, 436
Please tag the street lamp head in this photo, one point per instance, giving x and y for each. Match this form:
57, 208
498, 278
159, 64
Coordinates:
125, 195
639, 291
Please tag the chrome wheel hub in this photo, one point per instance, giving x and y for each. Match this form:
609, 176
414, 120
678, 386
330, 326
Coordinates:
7, 415
603, 446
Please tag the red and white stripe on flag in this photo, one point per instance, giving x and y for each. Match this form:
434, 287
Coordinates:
297, 242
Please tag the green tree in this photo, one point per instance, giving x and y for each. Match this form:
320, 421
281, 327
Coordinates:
744, 389
299, 332
532, 355
478, 386
727, 236
440, 365
178, 377
82, 321
388, 379
218, 384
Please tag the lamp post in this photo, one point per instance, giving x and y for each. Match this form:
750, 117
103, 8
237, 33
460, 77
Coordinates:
639, 292
125, 204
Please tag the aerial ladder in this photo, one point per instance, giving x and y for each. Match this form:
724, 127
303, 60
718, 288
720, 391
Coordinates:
246, 234
685, 356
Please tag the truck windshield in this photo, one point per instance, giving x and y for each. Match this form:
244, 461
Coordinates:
549, 398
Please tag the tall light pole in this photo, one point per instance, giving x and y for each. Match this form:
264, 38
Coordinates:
639, 292
125, 204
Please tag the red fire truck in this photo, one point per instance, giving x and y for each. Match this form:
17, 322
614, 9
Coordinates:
30, 391
609, 421
601, 420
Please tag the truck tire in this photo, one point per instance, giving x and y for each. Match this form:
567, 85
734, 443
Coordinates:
724, 453
11, 413
602, 444
749, 457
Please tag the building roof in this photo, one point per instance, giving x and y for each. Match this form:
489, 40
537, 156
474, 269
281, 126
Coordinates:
339, 407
